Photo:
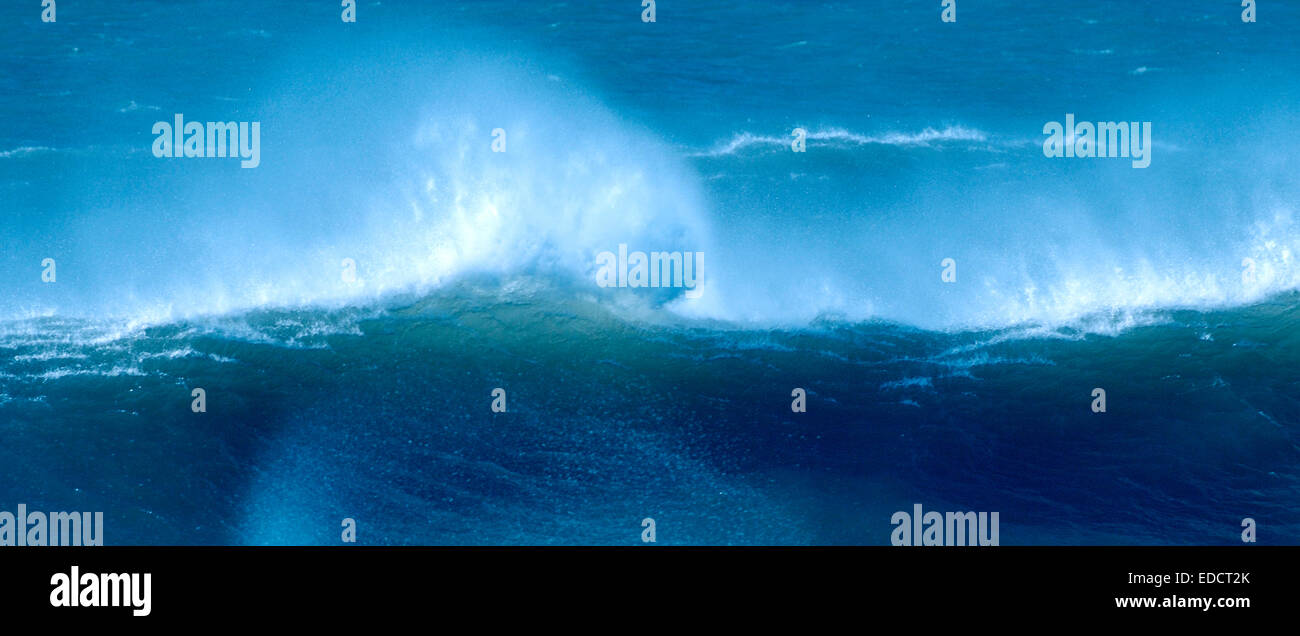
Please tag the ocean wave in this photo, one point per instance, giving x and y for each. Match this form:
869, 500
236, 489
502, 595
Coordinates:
840, 138
436, 206
24, 151
111, 372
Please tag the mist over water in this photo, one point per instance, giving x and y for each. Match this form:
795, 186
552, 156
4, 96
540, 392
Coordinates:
375, 152
388, 172
367, 396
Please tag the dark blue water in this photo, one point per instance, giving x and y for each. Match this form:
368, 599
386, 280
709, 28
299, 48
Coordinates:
369, 396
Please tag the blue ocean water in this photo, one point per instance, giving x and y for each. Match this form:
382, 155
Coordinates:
369, 398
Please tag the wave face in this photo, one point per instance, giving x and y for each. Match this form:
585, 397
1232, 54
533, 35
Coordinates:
350, 303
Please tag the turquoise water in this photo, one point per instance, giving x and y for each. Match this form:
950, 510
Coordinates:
368, 397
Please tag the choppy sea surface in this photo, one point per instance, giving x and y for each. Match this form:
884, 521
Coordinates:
368, 397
